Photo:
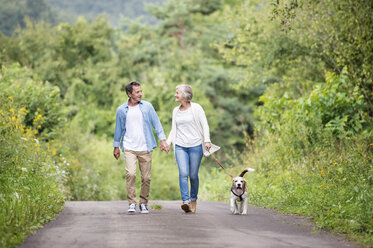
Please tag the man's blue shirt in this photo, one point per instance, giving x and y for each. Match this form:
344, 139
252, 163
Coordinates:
150, 119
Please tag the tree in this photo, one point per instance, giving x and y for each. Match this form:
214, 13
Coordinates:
264, 55
337, 31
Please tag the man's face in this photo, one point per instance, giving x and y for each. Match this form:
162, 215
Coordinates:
136, 94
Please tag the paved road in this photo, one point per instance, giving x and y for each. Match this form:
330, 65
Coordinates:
107, 224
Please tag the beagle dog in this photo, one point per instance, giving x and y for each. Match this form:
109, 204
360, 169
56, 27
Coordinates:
239, 194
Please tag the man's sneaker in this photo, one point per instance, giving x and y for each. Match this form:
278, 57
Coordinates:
132, 208
143, 209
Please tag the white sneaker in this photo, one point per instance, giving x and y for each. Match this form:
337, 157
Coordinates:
132, 208
143, 209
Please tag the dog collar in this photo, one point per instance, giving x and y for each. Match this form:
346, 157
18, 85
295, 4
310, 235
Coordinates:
240, 196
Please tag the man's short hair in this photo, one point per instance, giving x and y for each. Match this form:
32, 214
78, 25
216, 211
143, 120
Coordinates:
129, 86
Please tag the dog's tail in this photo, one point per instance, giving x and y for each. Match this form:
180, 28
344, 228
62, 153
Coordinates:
246, 170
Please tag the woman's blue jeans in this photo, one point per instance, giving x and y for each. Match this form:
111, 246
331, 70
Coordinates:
188, 160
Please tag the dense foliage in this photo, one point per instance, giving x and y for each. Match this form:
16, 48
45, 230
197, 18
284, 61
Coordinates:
283, 66
339, 32
32, 175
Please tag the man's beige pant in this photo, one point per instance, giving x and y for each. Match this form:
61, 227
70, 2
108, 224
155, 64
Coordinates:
145, 165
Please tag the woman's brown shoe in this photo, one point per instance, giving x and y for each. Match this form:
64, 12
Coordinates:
186, 207
193, 205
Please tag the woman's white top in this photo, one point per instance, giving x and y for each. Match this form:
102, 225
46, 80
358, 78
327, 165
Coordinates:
200, 121
187, 134
134, 137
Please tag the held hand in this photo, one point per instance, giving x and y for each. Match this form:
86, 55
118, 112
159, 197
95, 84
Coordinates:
208, 146
167, 148
164, 146
116, 152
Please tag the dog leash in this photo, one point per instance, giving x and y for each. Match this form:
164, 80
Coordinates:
220, 165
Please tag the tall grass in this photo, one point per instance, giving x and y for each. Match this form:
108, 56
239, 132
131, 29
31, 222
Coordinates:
32, 177
32, 174
330, 182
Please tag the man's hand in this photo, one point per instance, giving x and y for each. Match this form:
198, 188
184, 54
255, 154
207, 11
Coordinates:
164, 146
116, 152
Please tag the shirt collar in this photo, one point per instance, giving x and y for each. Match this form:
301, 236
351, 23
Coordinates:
126, 103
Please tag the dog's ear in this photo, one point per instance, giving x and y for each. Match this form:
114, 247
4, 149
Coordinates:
244, 184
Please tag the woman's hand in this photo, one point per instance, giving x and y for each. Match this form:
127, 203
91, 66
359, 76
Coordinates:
208, 146
164, 146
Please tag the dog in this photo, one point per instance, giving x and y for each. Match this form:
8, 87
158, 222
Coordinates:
239, 194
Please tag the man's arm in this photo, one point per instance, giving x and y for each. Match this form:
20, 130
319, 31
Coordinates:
159, 130
157, 125
117, 135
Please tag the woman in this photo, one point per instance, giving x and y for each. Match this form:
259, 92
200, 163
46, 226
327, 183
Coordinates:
190, 136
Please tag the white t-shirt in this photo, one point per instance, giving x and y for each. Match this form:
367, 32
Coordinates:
187, 134
134, 138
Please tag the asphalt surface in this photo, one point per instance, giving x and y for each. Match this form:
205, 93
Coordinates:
107, 224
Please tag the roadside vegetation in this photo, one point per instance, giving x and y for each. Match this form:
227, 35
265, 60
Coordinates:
286, 86
313, 167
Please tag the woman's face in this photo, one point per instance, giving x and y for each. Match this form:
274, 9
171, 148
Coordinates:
179, 96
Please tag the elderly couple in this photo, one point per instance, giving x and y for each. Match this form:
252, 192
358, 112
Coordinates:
189, 135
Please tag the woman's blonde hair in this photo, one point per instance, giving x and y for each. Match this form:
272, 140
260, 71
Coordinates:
186, 91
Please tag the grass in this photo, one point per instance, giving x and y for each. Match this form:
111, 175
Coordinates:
332, 184
32, 177
156, 207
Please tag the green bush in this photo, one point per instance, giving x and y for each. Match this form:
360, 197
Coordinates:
32, 177
329, 182
42, 101
336, 105
94, 174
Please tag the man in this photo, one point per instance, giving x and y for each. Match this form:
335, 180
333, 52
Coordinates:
134, 135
